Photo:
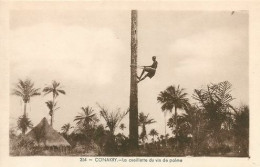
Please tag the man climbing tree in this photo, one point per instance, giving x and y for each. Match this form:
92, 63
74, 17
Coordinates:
149, 69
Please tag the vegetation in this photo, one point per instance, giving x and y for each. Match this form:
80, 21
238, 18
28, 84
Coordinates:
65, 128
52, 107
211, 126
122, 127
24, 123
55, 89
144, 120
25, 89
153, 133
87, 119
173, 97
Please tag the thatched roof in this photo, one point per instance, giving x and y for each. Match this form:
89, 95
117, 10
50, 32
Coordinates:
44, 135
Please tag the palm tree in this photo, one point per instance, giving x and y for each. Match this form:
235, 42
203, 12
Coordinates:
87, 118
173, 97
143, 120
65, 128
112, 118
133, 115
241, 130
25, 90
122, 126
54, 88
24, 123
215, 100
153, 133
52, 108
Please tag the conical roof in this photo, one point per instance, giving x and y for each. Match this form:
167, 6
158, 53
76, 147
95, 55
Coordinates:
44, 135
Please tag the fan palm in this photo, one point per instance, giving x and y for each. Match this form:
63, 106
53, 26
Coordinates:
25, 89
86, 118
173, 97
55, 89
24, 123
144, 120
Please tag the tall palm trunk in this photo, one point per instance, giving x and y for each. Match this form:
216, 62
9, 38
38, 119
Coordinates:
133, 115
165, 128
24, 110
52, 115
52, 119
144, 132
24, 113
176, 125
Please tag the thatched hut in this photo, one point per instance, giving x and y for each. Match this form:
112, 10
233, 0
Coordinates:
44, 135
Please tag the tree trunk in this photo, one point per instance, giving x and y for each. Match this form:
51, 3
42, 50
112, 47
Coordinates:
52, 119
53, 106
133, 115
165, 128
24, 111
176, 125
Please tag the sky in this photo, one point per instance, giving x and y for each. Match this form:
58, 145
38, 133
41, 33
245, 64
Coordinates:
88, 52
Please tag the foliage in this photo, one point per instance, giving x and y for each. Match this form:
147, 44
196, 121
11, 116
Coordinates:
144, 120
100, 138
112, 118
25, 89
173, 97
241, 130
87, 118
24, 123
209, 127
215, 101
54, 88
65, 128
153, 133
52, 107
122, 126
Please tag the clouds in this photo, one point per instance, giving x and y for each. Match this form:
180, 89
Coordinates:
211, 56
89, 53
82, 54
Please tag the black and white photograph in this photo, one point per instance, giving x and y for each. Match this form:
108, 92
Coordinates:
128, 84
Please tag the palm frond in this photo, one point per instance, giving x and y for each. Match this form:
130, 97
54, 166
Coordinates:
61, 91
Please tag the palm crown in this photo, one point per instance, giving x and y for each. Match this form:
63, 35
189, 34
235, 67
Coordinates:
66, 127
144, 120
112, 118
173, 97
24, 123
51, 106
86, 117
54, 88
153, 133
25, 89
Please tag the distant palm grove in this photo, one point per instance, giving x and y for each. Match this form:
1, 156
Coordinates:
208, 126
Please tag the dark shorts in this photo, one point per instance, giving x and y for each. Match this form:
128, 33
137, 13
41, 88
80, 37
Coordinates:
151, 71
